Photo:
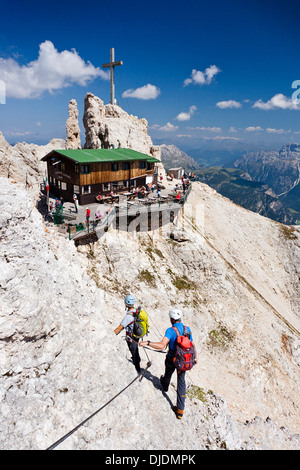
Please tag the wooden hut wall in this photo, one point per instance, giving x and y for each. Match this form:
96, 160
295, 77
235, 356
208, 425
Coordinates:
64, 171
103, 173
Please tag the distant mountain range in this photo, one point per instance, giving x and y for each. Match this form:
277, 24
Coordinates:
264, 181
280, 170
238, 186
173, 157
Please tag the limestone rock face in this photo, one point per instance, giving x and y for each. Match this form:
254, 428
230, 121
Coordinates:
72, 127
22, 162
110, 126
60, 360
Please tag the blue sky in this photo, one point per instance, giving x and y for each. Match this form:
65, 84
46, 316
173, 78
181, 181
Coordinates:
201, 73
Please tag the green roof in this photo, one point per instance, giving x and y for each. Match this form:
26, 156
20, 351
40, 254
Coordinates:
102, 155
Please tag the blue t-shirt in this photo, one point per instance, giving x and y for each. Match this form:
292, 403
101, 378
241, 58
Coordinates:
171, 334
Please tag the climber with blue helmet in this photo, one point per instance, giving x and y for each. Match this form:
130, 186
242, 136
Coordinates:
127, 323
170, 340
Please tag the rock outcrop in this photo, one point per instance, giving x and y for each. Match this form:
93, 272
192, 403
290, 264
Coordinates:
72, 127
109, 126
22, 162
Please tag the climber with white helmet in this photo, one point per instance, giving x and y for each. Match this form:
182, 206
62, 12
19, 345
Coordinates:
127, 323
170, 338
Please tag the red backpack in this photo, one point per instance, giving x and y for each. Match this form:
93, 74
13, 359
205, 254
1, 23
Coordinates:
184, 357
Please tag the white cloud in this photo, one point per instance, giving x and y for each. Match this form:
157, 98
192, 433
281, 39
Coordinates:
278, 101
18, 133
277, 131
268, 129
211, 129
168, 127
220, 137
232, 129
254, 129
147, 92
51, 71
186, 116
228, 104
202, 78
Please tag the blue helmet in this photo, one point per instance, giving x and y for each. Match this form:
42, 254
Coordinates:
129, 300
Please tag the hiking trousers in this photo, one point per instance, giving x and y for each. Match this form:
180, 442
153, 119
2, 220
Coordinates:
133, 347
181, 385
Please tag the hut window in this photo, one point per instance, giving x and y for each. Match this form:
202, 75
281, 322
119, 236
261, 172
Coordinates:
142, 165
86, 189
125, 166
64, 186
76, 189
106, 187
114, 167
75, 168
85, 169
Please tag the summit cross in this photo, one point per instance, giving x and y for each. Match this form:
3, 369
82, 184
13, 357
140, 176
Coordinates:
111, 65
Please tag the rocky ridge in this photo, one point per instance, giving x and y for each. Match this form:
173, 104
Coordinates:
59, 307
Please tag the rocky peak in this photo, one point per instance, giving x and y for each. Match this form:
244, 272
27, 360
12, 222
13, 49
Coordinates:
290, 151
110, 126
72, 127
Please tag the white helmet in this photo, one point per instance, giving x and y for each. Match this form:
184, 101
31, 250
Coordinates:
175, 314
